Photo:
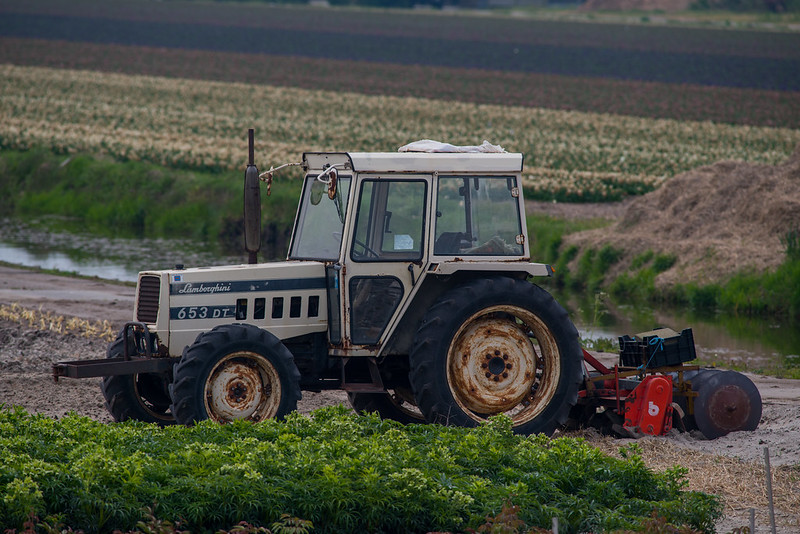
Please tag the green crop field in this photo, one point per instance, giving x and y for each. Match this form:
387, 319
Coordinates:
343, 472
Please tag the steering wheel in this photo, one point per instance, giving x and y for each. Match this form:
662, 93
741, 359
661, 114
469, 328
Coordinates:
366, 252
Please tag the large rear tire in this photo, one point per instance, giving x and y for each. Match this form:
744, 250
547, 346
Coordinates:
233, 372
141, 397
497, 346
397, 405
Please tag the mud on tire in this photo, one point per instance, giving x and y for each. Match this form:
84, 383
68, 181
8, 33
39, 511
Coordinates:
492, 346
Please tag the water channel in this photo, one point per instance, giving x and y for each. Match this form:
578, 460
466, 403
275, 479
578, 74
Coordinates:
743, 342
47, 244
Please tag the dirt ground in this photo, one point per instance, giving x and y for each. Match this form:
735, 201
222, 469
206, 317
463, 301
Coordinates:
731, 466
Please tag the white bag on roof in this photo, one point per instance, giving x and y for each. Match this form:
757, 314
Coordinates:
428, 145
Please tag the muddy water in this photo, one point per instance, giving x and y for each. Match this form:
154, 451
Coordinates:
745, 343
44, 243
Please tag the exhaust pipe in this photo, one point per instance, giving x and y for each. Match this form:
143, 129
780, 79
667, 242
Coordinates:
252, 204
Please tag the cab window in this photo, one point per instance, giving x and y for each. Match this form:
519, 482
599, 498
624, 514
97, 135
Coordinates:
478, 216
320, 220
390, 221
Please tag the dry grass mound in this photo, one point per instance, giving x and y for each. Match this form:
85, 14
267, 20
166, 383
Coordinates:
717, 220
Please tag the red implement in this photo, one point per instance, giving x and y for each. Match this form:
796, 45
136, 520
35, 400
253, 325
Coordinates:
648, 409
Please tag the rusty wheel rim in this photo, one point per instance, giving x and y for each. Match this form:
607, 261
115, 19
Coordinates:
503, 359
242, 385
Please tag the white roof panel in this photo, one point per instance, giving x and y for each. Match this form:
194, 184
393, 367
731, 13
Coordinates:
443, 162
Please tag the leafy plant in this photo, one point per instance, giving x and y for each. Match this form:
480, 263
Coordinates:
292, 525
662, 262
341, 471
507, 521
593, 267
642, 259
658, 525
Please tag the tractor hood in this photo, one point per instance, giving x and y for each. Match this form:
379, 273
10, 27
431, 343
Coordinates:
244, 279
288, 298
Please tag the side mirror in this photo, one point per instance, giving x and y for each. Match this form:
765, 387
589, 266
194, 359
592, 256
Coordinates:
327, 180
334, 179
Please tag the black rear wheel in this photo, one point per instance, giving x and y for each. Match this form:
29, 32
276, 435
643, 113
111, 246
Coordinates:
141, 397
397, 405
497, 346
232, 372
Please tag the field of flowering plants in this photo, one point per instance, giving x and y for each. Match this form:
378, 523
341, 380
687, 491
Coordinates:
687, 73
199, 124
603, 95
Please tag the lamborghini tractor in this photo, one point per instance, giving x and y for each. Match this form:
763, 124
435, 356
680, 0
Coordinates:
408, 285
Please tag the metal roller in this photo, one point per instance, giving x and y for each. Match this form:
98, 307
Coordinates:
726, 401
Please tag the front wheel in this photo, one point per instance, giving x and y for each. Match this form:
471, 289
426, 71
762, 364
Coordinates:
497, 346
140, 397
235, 372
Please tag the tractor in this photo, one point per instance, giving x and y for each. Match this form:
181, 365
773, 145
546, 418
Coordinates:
408, 284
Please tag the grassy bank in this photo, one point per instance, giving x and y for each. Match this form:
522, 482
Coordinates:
762, 308
343, 472
142, 199
775, 294
138, 199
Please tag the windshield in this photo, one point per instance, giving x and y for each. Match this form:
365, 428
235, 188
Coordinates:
479, 216
318, 230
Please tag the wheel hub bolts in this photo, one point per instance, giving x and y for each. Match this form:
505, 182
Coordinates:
237, 392
496, 366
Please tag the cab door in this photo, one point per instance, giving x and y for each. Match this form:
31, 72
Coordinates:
385, 254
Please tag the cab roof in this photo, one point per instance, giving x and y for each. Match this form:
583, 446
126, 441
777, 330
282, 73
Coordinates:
405, 162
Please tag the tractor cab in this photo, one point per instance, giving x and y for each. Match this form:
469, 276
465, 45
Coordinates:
386, 224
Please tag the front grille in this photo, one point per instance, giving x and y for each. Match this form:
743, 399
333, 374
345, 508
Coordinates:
149, 292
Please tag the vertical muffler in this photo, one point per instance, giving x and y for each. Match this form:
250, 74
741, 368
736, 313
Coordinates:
252, 204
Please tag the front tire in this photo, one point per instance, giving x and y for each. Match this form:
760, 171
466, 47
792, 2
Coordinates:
235, 372
141, 397
497, 346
